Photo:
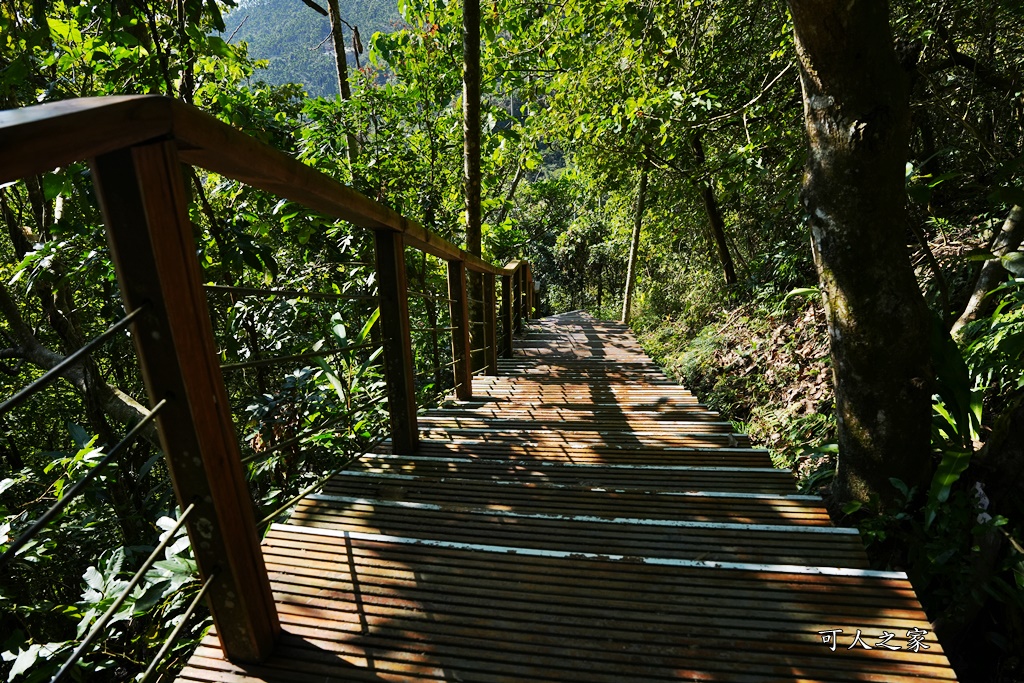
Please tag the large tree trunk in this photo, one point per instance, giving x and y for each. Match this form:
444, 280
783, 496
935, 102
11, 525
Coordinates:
715, 220
634, 246
858, 120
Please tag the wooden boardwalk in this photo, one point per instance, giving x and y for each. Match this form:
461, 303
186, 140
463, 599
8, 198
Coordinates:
582, 519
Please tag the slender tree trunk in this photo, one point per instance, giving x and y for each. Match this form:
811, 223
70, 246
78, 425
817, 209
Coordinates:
341, 62
1007, 240
858, 120
471, 162
471, 121
634, 246
715, 220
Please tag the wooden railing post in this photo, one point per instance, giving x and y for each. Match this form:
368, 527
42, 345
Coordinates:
477, 316
517, 309
393, 295
490, 326
506, 315
529, 292
460, 333
143, 200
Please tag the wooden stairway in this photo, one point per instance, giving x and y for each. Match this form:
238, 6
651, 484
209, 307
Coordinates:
581, 519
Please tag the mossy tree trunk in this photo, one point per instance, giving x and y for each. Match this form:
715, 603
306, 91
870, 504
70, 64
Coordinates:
858, 120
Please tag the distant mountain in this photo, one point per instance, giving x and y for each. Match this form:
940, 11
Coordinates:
294, 37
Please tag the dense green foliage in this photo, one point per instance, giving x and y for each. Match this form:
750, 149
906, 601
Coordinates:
577, 96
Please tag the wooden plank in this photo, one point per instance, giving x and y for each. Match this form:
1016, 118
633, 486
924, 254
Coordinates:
393, 290
143, 199
459, 307
490, 326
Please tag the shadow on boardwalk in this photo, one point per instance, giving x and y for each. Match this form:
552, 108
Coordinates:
582, 519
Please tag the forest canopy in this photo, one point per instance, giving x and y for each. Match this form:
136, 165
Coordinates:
696, 107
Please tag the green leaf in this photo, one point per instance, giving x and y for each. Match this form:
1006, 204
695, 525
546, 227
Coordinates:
113, 563
152, 595
852, 507
144, 470
218, 20
25, 660
338, 328
953, 383
978, 255
900, 486
1013, 262
219, 47
94, 579
369, 361
802, 291
54, 184
950, 468
79, 435
332, 378
363, 333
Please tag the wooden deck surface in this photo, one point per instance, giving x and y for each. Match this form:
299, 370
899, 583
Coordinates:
582, 519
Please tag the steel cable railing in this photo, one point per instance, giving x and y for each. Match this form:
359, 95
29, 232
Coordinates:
101, 623
316, 486
79, 487
283, 360
172, 638
295, 293
69, 362
307, 434
430, 325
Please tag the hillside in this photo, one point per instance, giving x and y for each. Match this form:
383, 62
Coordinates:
291, 36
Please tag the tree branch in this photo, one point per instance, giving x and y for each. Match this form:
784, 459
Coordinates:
983, 72
315, 7
1007, 240
118, 405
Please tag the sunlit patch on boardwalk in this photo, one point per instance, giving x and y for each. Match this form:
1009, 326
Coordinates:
581, 519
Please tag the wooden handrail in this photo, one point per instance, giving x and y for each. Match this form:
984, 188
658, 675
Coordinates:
36, 139
135, 146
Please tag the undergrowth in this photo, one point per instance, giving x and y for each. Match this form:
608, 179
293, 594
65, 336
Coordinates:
764, 365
